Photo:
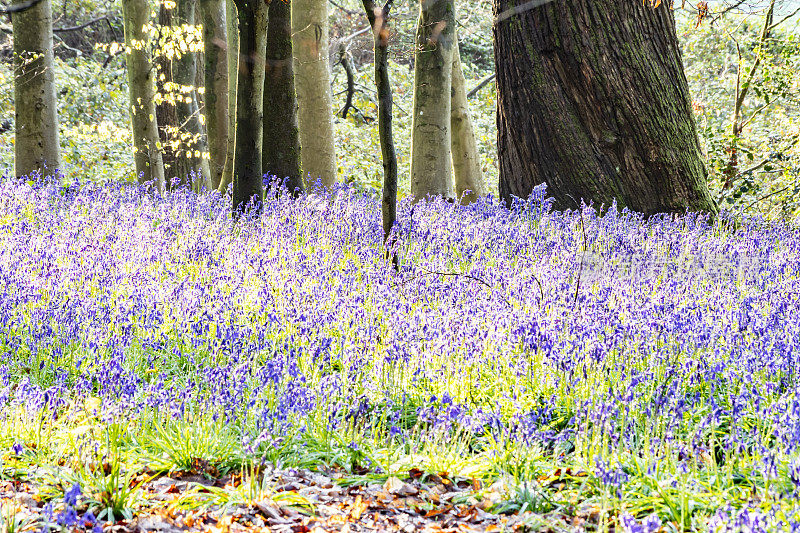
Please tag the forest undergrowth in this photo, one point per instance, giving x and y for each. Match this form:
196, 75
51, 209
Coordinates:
641, 374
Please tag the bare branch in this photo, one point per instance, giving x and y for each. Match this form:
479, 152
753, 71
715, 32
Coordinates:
80, 26
16, 8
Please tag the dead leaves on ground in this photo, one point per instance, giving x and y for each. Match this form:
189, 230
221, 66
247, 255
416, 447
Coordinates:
418, 502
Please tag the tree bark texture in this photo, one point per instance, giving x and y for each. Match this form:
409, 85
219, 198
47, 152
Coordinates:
378, 20
36, 147
232, 30
189, 157
312, 82
247, 175
281, 146
215, 50
166, 114
466, 161
593, 101
431, 166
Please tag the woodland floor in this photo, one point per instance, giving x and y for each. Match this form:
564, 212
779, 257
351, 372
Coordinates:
169, 504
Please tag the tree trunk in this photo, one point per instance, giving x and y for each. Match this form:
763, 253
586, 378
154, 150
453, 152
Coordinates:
593, 101
166, 114
36, 147
247, 175
378, 20
312, 80
431, 166
189, 157
281, 146
215, 46
466, 161
232, 30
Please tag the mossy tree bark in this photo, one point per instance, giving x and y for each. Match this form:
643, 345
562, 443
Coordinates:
312, 81
247, 175
232, 31
215, 50
593, 101
378, 18
431, 166
36, 147
281, 145
466, 161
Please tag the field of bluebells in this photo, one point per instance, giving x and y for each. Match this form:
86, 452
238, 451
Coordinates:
647, 369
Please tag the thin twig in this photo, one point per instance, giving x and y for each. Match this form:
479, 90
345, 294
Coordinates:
481, 84
754, 202
80, 26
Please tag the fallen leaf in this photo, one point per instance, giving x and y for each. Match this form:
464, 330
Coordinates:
358, 508
437, 512
392, 485
415, 473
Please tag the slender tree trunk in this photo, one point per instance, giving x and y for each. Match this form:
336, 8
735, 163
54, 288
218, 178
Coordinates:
378, 18
350, 72
232, 30
281, 147
36, 147
731, 170
431, 166
215, 46
247, 175
593, 101
166, 113
189, 158
312, 80
466, 161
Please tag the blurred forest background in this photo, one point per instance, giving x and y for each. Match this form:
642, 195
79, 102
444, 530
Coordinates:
721, 44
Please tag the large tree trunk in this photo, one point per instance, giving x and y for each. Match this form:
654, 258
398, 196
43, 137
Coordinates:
36, 146
466, 160
215, 48
431, 166
232, 30
593, 101
312, 80
247, 176
281, 147
189, 157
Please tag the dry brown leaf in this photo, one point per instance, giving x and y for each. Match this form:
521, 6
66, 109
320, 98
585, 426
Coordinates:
358, 508
437, 512
393, 484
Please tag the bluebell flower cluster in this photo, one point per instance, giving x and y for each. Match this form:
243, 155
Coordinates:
69, 518
673, 338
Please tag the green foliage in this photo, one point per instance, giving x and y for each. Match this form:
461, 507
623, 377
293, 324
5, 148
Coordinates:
358, 146
768, 152
92, 109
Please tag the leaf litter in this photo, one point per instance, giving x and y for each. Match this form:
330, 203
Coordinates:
303, 501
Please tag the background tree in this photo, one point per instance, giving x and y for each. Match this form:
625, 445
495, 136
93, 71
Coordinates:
431, 165
166, 112
247, 173
36, 147
593, 101
281, 146
232, 34
469, 181
312, 81
193, 145
378, 20
215, 96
